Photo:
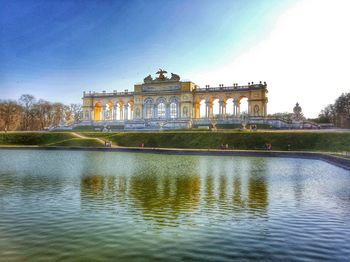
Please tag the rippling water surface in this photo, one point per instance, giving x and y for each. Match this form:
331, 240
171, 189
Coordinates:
95, 206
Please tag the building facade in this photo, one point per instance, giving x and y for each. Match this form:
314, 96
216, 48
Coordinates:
168, 102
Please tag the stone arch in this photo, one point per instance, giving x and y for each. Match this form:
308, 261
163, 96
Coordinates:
108, 112
148, 105
215, 106
174, 108
161, 100
148, 100
243, 105
230, 104
161, 108
119, 110
130, 104
215, 97
98, 111
199, 105
174, 99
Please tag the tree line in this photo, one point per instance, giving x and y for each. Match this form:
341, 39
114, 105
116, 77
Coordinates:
337, 113
28, 113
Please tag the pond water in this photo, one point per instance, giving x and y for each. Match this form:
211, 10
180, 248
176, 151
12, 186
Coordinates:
108, 206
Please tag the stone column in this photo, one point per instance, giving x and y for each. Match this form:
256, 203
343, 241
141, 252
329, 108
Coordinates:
126, 112
121, 112
221, 109
207, 107
178, 110
167, 111
131, 112
155, 111
90, 114
234, 108
103, 113
195, 110
85, 116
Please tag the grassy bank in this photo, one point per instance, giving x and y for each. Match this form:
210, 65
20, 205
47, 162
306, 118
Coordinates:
46, 139
33, 138
298, 141
307, 141
78, 142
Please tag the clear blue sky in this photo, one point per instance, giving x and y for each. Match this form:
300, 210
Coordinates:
57, 49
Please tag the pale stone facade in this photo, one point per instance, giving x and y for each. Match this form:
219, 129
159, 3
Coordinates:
171, 103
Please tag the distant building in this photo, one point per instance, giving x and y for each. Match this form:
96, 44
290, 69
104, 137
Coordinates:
171, 103
297, 113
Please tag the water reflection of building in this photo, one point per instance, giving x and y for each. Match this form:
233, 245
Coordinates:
258, 194
165, 198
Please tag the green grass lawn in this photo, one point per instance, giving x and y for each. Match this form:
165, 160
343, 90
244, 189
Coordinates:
33, 138
298, 141
238, 140
78, 142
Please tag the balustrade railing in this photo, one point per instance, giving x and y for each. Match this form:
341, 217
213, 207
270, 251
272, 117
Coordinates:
102, 94
197, 89
230, 88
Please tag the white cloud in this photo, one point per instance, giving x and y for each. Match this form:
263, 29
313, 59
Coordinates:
304, 59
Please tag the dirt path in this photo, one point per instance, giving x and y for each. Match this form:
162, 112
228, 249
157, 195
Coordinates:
85, 137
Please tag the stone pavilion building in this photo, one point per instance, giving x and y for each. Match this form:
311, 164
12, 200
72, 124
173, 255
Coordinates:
168, 102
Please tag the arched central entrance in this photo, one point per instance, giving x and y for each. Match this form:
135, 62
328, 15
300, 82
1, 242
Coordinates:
161, 110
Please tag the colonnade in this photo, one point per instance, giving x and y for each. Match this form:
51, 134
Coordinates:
222, 113
173, 108
109, 112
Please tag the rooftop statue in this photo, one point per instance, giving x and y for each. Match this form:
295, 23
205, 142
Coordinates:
175, 77
148, 79
161, 73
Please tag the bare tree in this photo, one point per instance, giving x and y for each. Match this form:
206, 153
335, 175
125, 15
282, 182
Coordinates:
57, 114
43, 114
27, 102
10, 115
77, 111
30, 114
68, 115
